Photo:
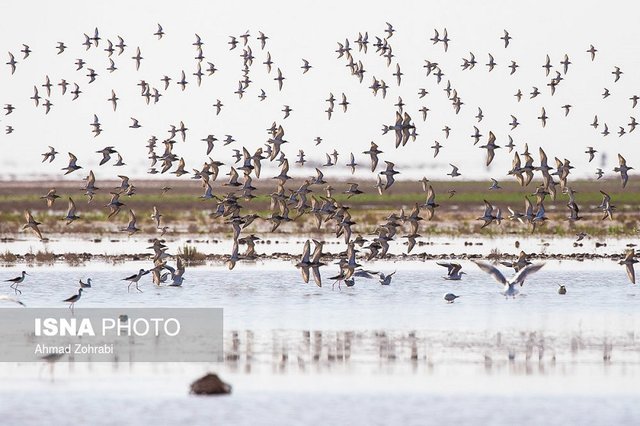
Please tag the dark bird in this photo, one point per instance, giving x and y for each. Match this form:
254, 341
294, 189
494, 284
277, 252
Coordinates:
506, 38
159, 33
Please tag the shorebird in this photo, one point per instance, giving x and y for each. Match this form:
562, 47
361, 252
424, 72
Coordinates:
509, 286
352, 163
71, 212
72, 167
73, 299
131, 226
50, 197
32, 224
279, 79
606, 206
386, 279
49, 155
106, 154
85, 285
454, 272
177, 277
430, 204
454, 173
450, 297
623, 170
373, 153
490, 146
353, 190
305, 66
436, 148
562, 289
16, 281
156, 217
488, 217
581, 236
506, 38
424, 181
311, 262
12, 63
628, 261
159, 33
389, 173
133, 279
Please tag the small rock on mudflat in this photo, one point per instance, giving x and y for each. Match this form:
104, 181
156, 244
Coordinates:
210, 385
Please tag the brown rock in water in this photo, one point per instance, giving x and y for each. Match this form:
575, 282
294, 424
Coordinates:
210, 385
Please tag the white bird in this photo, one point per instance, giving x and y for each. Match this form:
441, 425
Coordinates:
510, 289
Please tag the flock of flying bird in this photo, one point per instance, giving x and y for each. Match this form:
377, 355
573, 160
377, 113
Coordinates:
314, 198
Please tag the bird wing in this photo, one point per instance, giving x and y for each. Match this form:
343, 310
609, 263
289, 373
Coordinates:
522, 275
622, 160
450, 266
306, 252
456, 268
316, 275
488, 208
491, 270
72, 208
431, 195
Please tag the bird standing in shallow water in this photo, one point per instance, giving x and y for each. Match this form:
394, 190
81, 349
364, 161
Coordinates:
73, 299
16, 281
133, 279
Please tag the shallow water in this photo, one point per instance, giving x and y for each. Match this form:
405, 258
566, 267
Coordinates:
253, 293
356, 355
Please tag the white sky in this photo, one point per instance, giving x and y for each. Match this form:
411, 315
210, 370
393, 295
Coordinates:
311, 30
